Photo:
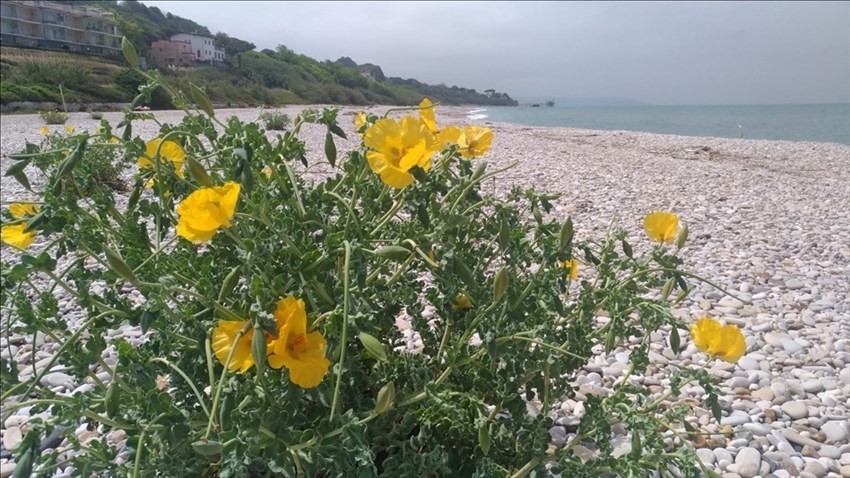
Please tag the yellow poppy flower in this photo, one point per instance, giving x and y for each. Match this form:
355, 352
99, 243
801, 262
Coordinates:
44, 130
448, 135
70, 129
22, 209
661, 226
223, 336
475, 141
427, 115
359, 123
397, 148
267, 171
462, 302
723, 341
302, 353
14, 235
169, 152
204, 211
572, 268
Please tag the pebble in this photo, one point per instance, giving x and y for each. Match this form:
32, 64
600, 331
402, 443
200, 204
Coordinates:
748, 462
816, 468
836, 431
796, 410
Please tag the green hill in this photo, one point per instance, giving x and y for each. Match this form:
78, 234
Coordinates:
271, 77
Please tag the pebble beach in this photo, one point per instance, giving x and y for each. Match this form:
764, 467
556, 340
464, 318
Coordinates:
769, 221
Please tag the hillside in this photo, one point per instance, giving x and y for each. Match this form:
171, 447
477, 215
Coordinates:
270, 77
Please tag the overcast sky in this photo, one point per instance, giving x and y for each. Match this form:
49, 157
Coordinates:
661, 53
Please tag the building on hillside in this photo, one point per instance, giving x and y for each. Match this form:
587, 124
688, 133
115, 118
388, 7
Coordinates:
203, 47
173, 53
59, 26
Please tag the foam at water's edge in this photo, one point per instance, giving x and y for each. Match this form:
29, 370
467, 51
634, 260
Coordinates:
476, 114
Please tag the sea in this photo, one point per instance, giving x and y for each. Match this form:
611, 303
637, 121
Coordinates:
820, 122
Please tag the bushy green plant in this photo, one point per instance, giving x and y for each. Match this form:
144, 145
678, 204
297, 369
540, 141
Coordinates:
96, 115
54, 117
275, 120
269, 308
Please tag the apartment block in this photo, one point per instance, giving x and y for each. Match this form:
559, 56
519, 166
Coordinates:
173, 53
203, 47
59, 26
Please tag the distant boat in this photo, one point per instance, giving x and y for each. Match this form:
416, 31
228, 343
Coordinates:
535, 105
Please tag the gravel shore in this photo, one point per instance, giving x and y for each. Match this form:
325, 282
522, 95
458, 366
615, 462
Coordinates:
768, 220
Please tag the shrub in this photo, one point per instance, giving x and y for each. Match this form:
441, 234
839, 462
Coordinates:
266, 312
97, 115
54, 73
275, 120
54, 117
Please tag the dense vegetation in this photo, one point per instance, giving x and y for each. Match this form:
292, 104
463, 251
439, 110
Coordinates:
271, 77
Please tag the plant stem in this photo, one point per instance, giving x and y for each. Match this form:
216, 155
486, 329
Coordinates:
188, 381
223, 377
345, 304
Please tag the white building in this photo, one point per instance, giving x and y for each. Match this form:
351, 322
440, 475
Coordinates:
203, 47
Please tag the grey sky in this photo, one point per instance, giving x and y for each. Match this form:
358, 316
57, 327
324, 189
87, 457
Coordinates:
664, 52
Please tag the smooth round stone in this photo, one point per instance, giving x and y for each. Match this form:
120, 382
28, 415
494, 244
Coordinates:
836, 431
748, 363
762, 394
706, 456
736, 419
12, 437
791, 346
757, 429
558, 435
829, 451
813, 386
722, 454
816, 468
748, 461
795, 409
845, 471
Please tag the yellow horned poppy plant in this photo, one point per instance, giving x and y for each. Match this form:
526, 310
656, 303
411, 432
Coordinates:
223, 336
44, 130
14, 235
462, 302
427, 115
474, 141
661, 226
302, 353
397, 147
206, 210
169, 151
22, 209
70, 129
723, 341
359, 122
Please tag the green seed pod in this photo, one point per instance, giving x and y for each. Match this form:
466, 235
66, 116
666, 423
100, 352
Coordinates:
129, 53
395, 253
668, 287
535, 211
484, 438
500, 284
682, 296
112, 400
119, 266
208, 447
73, 159
567, 233
504, 235
229, 283
24, 464
258, 350
224, 412
197, 171
479, 171
330, 148
373, 346
135, 194
610, 341
682, 238
385, 398
201, 99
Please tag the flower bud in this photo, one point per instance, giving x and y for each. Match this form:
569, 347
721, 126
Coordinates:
682, 238
395, 253
385, 398
258, 349
119, 266
373, 346
500, 284
484, 439
208, 447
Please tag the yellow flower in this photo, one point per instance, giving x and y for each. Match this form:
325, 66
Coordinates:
223, 336
267, 171
462, 302
21, 209
14, 235
572, 268
661, 226
204, 211
44, 130
724, 341
398, 147
427, 115
359, 123
70, 129
448, 135
474, 141
301, 353
169, 152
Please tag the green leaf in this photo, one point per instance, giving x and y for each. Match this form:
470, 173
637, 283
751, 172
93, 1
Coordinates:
146, 320
23, 180
566, 233
484, 439
675, 341
17, 167
129, 53
335, 129
330, 148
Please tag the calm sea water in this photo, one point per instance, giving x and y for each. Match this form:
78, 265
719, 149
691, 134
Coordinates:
825, 123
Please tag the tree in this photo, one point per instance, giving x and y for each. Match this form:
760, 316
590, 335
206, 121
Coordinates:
232, 45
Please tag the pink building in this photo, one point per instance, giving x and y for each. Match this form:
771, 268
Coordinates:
173, 53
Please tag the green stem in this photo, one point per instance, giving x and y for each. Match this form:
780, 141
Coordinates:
527, 468
223, 377
387, 217
545, 345
345, 304
188, 381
